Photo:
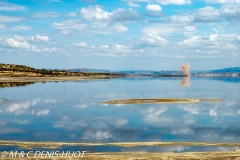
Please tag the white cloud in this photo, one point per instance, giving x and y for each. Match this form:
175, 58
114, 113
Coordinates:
231, 12
70, 24
40, 38
213, 37
118, 46
131, 4
65, 32
80, 44
153, 7
98, 21
189, 28
19, 38
17, 42
120, 28
178, 2
7, 19
46, 14
161, 29
181, 18
104, 46
208, 44
35, 49
207, 14
125, 15
192, 42
150, 41
53, 49
23, 28
72, 14
95, 13
6, 6
222, 1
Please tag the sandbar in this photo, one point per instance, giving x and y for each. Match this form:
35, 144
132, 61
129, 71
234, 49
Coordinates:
160, 100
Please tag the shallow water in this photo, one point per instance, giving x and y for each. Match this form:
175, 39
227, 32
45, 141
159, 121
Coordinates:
90, 149
71, 112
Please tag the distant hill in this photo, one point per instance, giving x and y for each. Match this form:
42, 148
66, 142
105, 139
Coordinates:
88, 70
227, 72
149, 72
235, 71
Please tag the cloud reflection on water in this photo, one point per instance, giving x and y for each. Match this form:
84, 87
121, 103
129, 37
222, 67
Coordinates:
72, 113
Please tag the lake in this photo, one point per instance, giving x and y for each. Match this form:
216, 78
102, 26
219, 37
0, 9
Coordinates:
71, 111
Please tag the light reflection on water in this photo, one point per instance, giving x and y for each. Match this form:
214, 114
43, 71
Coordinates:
70, 111
90, 149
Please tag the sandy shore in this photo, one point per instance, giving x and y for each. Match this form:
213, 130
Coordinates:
232, 155
235, 155
52, 79
224, 155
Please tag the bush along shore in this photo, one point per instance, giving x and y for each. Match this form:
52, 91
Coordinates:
12, 70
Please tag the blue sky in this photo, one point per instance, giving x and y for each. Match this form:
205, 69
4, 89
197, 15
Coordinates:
120, 34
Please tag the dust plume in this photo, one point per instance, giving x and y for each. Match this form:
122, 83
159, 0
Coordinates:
185, 69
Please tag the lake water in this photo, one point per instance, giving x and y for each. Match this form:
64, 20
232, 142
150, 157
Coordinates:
71, 112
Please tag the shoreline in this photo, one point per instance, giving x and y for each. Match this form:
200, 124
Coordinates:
121, 144
84, 78
54, 79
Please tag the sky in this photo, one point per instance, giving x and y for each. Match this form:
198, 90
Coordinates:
120, 34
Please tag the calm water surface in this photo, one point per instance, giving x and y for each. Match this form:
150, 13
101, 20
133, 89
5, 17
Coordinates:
70, 111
